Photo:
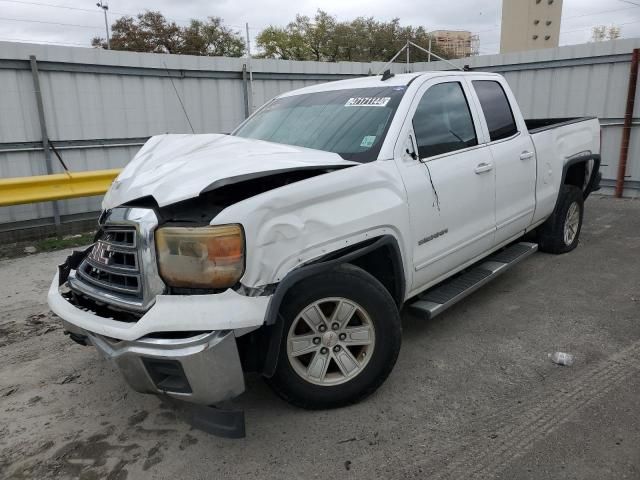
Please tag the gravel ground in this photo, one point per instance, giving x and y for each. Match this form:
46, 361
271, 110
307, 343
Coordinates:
473, 394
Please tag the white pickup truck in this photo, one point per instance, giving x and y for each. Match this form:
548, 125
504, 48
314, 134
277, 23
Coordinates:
289, 246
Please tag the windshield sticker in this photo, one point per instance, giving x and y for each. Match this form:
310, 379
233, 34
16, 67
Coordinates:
368, 141
367, 102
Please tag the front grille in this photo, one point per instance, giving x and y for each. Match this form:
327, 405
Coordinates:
124, 238
113, 262
120, 270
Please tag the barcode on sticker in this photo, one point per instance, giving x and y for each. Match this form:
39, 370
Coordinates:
368, 141
367, 102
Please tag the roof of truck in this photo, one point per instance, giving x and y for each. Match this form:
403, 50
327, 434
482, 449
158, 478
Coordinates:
374, 81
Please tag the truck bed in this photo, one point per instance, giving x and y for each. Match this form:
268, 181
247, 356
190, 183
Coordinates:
535, 125
558, 142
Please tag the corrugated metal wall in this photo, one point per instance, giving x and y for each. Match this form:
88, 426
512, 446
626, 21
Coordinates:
580, 80
100, 105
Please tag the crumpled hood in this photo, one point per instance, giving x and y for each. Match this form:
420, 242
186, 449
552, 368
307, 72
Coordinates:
171, 168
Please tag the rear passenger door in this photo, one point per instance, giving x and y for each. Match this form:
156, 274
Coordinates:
450, 186
514, 158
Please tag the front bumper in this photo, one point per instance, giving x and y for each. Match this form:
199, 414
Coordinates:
170, 313
203, 369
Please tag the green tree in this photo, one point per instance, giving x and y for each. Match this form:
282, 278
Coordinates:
316, 34
148, 32
211, 38
323, 38
152, 32
283, 43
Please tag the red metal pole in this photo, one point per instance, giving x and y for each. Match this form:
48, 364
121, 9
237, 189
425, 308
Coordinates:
628, 119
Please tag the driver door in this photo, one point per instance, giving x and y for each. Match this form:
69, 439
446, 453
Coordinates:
450, 183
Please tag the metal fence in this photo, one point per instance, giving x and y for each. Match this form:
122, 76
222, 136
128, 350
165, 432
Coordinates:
580, 80
97, 107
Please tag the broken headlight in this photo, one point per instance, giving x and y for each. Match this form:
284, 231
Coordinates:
201, 257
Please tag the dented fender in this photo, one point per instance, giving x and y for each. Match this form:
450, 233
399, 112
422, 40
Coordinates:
296, 224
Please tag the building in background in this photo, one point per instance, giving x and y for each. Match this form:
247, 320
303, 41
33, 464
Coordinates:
456, 43
530, 25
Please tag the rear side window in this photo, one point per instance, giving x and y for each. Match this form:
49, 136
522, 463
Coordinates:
496, 108
442, 122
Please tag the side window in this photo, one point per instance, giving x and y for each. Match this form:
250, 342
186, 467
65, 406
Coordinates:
496, 108
443, 122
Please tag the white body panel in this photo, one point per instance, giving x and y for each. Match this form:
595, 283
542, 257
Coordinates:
224, 311
554, 147
515, 170
171, 168
395, 195
515, 163
297, 223
458, 210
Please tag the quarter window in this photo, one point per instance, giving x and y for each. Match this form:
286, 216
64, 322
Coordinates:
442, 122
496, 108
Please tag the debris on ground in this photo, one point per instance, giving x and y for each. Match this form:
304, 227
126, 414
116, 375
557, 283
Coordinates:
71, 378
30, 249
562, 358
5, 392
42, 323
347, 440
37, 318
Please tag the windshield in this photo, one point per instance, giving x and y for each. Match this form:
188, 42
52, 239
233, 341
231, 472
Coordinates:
351, 123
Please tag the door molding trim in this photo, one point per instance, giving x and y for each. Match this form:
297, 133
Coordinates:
515, 218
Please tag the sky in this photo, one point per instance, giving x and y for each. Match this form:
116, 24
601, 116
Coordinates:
75, 22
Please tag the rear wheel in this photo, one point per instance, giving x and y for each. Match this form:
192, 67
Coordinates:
561, 231
341, 339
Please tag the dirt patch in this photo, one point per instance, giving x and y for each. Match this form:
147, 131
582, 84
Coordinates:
8, 391
137, 418
187, 441
154, 456
70, 378
33, 325
88, 458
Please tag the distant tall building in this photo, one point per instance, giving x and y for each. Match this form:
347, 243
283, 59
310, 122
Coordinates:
530, 24
457, 43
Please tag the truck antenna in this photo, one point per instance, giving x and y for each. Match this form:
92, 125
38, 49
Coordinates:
178, 95
386, 75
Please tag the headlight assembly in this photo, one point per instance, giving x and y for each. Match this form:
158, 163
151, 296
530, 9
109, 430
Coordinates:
201, 257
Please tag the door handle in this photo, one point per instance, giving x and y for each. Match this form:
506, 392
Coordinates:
483, 167
526, 155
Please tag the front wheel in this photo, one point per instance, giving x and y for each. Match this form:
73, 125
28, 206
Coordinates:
561, 231
341, 339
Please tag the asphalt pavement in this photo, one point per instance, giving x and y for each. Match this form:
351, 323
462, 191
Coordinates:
473, 394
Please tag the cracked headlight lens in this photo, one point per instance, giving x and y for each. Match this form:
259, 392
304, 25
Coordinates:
201, 257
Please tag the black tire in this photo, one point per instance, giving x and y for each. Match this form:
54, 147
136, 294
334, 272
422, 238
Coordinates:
356, 285
551, 234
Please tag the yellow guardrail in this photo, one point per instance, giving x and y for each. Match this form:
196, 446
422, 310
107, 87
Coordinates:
43, 188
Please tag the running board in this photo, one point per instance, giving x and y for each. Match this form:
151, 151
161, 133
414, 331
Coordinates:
437, 300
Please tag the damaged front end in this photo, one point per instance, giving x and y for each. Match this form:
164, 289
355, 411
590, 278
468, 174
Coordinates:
111, 296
